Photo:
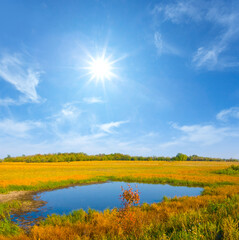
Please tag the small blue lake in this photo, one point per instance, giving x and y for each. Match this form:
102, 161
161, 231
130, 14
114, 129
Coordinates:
99, 197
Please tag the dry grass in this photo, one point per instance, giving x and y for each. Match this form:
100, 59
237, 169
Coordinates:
209, 216
203, 217
33, 173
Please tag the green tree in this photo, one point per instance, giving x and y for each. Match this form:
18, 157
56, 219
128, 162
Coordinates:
181, 157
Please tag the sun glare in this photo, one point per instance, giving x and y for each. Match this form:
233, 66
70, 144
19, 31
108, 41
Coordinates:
100, 69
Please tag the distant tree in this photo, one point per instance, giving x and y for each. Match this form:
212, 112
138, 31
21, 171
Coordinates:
181, 157
69, 157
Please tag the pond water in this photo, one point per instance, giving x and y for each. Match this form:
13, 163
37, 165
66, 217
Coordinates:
99, 197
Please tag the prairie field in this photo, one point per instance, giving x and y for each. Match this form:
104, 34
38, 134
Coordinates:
31, 174
119, 120
212, 215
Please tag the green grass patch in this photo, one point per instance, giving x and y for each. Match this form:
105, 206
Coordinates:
60, 184
6, 207
173, 182
51, 185
232, 170
217, 220
7, 227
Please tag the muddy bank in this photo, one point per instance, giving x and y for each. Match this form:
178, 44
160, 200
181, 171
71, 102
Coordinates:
29, 195
16, 195
29, 200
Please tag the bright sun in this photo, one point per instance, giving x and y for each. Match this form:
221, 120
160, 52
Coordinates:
100, 69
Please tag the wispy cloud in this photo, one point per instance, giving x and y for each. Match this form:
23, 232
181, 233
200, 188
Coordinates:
108, 127
211, 56
206, 134
163, 47
70, 111
18, 137
8, 101
226, 114
217, 13
207, 57
14, 70
180, 11
17, 129
91, 144
66, 120
92, 100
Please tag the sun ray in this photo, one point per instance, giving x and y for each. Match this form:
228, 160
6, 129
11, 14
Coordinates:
101, 68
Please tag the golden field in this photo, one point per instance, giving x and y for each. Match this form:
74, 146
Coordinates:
212, 215
33, 173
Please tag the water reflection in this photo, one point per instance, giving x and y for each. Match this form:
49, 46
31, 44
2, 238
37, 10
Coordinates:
99, 197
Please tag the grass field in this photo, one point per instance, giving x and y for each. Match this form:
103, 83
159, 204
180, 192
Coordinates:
31, 174
209, 216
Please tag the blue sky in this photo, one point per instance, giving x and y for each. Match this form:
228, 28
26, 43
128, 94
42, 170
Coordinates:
174, 83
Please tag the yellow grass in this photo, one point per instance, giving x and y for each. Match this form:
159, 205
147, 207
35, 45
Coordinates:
202, 217
33, 173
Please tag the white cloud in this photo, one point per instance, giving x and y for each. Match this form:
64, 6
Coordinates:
74, 139
91, 144
178, 12
9, 127
70, 111
225, 114
158, 42
224, 15
93, 100
107, 127
163, 47
24, 78
203, 135
8, 101
207, 57
17, 138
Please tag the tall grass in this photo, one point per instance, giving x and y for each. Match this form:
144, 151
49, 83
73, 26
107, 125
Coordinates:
232, 170
173, 182
212, 215
203, 217
39, 176
54, 185
51, 185
7, 227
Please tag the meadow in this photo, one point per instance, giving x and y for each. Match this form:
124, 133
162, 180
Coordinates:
212, 215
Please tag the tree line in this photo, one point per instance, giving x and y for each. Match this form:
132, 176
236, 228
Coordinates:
70, 157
